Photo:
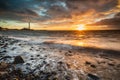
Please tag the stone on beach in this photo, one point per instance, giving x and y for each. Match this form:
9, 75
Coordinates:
3, 65
87, 63
92, 77
18, 60
52, 62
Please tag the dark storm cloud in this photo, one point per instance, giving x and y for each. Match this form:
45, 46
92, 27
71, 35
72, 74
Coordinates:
69, 8
81, 6
13, 5
20, 8
51, 9
16, 9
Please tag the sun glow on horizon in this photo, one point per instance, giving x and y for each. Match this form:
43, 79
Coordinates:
81, 27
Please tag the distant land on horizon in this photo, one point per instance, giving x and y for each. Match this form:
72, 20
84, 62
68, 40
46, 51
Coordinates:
25, 29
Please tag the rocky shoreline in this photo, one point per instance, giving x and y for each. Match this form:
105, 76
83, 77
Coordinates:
23, 60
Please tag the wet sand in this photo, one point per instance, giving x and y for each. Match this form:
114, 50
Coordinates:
25, 60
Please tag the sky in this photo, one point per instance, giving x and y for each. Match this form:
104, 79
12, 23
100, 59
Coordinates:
60, 14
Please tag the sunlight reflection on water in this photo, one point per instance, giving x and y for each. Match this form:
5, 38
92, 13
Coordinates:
97, 39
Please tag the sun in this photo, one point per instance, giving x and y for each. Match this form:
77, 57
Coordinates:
81, 27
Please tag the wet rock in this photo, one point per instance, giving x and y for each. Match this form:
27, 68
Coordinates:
101, 62
93, 66
44, 62
90, 64
3, 65
45, 56
67, 78
13, 48
4, 76
68, 65
4, 51
31, 58
92, 77
60, 62
118, 65
44, 49
19, 44
31, 49
38, 55
28, 64
31, 55
60, 51
68, 54
111, 64
3, 73
87, 63
5, 45
70, 51
17, 73
18, 60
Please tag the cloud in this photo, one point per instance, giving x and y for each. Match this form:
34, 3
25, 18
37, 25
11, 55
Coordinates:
84, 5
111, 21
81, 9
16, 10
56, 11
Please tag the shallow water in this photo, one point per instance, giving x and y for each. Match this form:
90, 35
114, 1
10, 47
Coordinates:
95, 39
40, 48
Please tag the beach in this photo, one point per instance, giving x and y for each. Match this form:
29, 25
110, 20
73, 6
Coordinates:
30, 55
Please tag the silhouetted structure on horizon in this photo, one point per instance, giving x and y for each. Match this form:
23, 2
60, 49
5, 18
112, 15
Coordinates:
29, 25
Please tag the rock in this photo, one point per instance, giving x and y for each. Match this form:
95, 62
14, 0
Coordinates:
92, 77
4, 51
44, 49
90, 64
60, 62
18, 60
3, 65
118, 65
13, 48
31, 49
101, 62
3, 73
67, 77
28, 64
93, 66
68, 54
31, 55
60, 51
70, 51
19, 44
87, 63
38, 55
111, 64
31, 58
5, 45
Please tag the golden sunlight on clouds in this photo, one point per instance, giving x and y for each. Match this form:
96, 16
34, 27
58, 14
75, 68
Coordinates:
118, 4
81, 27
76, 17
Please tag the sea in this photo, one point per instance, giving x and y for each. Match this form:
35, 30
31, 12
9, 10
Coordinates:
103, 39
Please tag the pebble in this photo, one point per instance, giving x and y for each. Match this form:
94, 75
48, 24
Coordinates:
93, 66
18, 60
68, 54
87, 63
111, 64
3, 65
92, 77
